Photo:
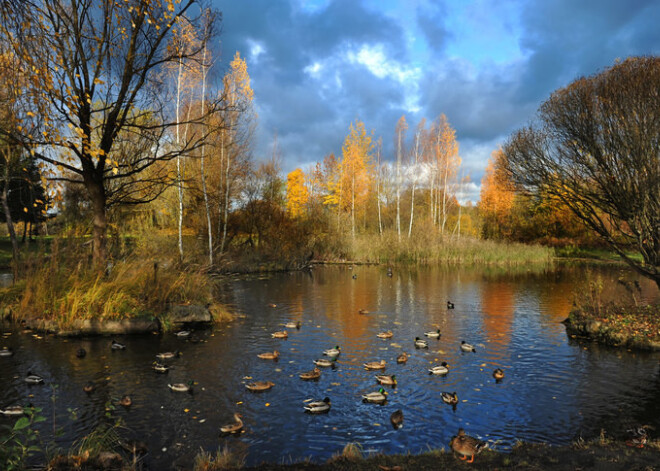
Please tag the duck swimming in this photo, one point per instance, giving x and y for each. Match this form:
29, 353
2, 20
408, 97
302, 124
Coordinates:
433, 335
13, 410
259, 386
375, 365
181, 387
441, 369
377, 397
117, 346
324, 362
182, 333
498, 374
32, 378
280, 335
274, 355
318, 407
402, 358
450, 305
168, 355
466, 446
419, 343
397, 419
388, 380
332, 352
449, 398
310, 375
385, 335
126, 401
466, 347
160, 368
293, 325
236, 427
6, 352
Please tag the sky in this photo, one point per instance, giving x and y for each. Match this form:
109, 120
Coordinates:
318, 65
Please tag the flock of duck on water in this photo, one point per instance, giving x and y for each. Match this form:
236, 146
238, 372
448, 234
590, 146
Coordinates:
462, 444
465, 446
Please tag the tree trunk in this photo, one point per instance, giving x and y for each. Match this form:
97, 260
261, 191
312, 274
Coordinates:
10, 225
99, 220
206, 195
178, 159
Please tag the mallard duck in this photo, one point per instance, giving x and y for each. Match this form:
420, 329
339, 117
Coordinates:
388, 380
89, 387
117, 346
449, 398
498, 374
181, 387
377, 397
280, 335
324, 362
419, 343
466, 347
12, 410
389, 272
236, 427
332, 352
274, 355
397, 419
293, 325
168, 355
355, 276
259, 386
309, 375
126, 401
363, 311
182, 333
385, 335
6, 352
466, 446
638, 437
441, 369
318, 407
433, 335
32, 378
375, 365
450, 305
161, 368
402, 358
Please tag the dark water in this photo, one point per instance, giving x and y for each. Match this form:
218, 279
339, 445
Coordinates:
555, 388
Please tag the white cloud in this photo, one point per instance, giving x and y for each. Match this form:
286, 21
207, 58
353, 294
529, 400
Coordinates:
256, 50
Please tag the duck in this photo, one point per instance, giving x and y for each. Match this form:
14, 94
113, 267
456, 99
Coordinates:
385, 335
433, 335
32, 378
449, 398
126, 401
117, 346
324, 362
318, 407
363, 311
638, 437
293, 325
310, 375
375, 365
441, 369
274, 355
89, 387
355, 276
181, 387
259, 386
397, 419
466, 445
81, 353
236, 427
498, 374
402, 358
280, 335
388, 380
272, 305
377, 397
182, 333
6, 352
332, 352
389, 272
419, 343
450, 305
161, 368
168, 355
13, 410
466, 347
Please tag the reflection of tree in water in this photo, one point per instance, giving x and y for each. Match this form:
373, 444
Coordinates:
497, 304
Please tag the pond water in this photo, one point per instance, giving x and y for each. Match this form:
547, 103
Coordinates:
555, 389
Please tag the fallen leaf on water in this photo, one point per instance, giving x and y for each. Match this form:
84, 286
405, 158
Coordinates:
267, 404
308, 400
247, 377
202, 421
239, 403
376, 424
335, 384
186, 410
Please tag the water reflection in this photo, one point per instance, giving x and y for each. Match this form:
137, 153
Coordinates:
554, 388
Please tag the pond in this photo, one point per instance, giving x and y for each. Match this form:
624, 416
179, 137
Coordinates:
555, 388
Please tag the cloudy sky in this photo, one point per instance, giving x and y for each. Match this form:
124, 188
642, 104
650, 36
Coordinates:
317, 65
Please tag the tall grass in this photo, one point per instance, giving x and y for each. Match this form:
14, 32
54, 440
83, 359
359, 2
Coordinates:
223, 459
428, 247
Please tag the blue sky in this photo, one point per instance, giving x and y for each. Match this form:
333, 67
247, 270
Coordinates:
317, 65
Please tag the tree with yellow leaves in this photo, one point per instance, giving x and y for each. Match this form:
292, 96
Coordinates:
297, 194
356, 171
497, 196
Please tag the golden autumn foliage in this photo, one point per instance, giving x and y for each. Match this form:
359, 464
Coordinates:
297, 194
497, 190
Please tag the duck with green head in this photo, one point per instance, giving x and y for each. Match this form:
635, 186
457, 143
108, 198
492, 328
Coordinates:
376, 397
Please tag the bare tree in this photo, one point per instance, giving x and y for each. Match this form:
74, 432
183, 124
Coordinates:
596, 147
97, 80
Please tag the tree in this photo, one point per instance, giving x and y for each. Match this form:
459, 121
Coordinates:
595, 148
355, 176
497, 196
297, 194
97, 75
401, 127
